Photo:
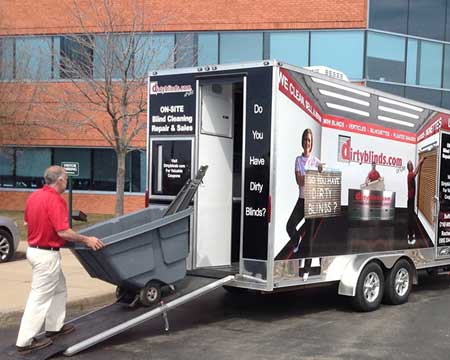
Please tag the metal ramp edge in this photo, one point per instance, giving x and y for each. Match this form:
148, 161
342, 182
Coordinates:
159, 310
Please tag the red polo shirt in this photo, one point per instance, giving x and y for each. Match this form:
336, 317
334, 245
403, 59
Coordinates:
46, 213
373, 175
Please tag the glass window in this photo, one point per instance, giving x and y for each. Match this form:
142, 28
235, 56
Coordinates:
427, 19
136, 171
185, 50
6, 167
6, 58
30, 167
76, 58
104, 169
143, 168
240, 46
83, 158
290, 47
113, 56
389, 88
341, 50
446, 81
428, 96
154, 52
34, 58
430, 64
389, 15
208, 48
411, 62
56, 52
385, 57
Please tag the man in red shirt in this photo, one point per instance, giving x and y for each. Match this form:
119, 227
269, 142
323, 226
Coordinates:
373, 174
411, 198
46, 215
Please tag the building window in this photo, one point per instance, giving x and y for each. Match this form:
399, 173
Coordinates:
385, 57
208, 48
7, 167
76, 57
185, 50
340, 50
389, 15
153, 52
290, 47
83, 158
240, 46
30, 166
7, 58
24, 168
427, 18
33, 58
446, 75
424, 65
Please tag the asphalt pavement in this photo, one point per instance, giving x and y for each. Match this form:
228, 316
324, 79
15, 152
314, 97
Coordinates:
305, 324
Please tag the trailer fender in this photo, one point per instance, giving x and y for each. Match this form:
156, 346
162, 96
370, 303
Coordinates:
350, 275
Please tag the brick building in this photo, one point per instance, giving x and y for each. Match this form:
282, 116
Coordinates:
397, 46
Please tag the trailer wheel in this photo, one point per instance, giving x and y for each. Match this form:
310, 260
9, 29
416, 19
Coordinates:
398, 283
150, 294
369, 289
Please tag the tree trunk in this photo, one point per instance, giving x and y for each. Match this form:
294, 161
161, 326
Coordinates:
120, 182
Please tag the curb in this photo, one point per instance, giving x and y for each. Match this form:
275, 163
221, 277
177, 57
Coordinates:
12, 318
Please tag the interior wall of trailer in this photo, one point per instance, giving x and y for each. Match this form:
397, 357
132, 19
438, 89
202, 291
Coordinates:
291, 121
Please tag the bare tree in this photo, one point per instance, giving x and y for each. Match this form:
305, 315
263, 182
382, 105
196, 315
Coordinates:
107, 63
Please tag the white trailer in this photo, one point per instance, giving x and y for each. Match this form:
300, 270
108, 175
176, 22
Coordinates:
247, 123
307, 183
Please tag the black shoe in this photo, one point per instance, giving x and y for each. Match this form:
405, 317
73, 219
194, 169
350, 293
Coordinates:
35, 345
66, 329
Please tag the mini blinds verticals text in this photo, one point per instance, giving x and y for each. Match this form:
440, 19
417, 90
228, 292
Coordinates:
427, 184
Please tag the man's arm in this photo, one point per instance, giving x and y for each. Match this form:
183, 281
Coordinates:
418, 167
90, 241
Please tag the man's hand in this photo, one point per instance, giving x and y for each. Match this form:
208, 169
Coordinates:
320, 167
93, 243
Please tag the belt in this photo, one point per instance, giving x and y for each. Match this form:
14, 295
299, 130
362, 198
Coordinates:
44, 247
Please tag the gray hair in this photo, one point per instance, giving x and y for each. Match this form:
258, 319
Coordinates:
53, 173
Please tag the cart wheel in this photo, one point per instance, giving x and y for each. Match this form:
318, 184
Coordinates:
150, 294
369, 289
124, 295
398, 283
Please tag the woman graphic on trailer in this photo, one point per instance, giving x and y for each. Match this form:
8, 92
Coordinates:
304, 162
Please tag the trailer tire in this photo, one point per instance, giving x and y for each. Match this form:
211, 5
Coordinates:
150, 294
398, 283
369, 289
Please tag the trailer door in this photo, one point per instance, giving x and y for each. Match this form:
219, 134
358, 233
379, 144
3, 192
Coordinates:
215, 196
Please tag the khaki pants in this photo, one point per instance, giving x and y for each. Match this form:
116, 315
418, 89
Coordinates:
47, 300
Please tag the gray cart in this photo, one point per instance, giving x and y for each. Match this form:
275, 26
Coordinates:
144, 250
